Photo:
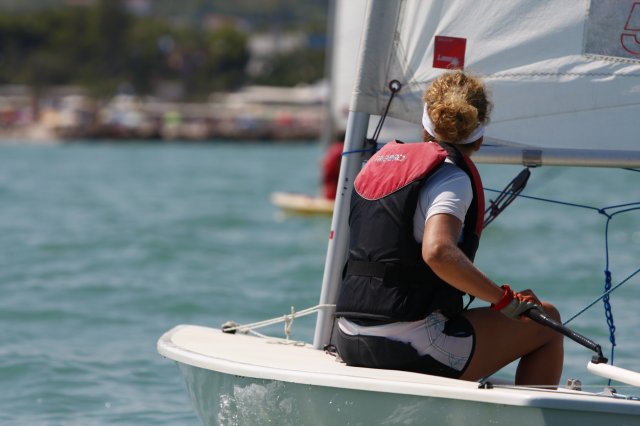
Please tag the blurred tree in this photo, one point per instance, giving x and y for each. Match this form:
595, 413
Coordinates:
261, 14
104, 48
228, 51
108, 34
299, 66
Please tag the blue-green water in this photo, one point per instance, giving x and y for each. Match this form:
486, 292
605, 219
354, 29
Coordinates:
107, 246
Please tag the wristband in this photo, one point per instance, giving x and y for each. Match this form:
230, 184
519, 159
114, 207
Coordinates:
507, 297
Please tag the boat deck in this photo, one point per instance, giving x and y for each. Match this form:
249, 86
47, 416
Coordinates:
260, 358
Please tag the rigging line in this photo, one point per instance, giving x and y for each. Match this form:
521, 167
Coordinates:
394, 86
625, 210
601, 296
506, 197
608, 278
608, 313
601, 210
550, 201
607, 286
231, 328
355, 151
564, 203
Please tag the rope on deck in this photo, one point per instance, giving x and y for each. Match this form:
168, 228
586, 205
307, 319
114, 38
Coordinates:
232, 327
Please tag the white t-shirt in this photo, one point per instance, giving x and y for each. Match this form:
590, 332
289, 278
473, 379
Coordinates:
448, 191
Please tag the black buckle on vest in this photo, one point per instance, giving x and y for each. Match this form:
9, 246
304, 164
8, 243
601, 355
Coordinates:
385, 271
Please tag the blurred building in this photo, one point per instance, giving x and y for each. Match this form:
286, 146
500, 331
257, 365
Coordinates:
263, 46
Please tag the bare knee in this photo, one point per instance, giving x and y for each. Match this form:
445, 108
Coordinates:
553, 336
551, 310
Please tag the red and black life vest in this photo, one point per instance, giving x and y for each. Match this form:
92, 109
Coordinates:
385, 278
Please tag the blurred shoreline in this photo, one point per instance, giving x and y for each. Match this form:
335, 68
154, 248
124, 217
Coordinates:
270, 114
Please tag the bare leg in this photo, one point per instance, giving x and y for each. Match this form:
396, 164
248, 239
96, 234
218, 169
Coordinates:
500, 340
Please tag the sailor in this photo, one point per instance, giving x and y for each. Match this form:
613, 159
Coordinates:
415, 222
331, 167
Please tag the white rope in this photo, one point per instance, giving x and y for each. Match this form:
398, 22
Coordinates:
231, 327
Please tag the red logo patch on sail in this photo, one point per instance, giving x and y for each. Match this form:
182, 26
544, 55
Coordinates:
449, 52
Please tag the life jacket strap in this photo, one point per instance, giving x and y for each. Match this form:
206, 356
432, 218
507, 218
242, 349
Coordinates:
382, 270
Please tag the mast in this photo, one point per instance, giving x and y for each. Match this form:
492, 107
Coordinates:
357, 125
378, 29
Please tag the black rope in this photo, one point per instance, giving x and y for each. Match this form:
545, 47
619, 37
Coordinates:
394, 86
506, 197
517, 185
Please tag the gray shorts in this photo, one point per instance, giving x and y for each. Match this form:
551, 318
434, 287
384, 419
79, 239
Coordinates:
436, 345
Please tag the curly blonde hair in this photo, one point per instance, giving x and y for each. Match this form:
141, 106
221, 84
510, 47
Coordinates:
457, 104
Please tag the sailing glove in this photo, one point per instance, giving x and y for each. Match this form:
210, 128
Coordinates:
517, 307
512, 304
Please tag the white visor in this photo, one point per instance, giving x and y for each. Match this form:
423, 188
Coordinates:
428, 126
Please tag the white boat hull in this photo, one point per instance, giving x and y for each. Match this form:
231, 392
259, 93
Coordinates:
238, 379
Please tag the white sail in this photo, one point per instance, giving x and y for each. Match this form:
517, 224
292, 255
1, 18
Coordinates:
563, 74
349, 17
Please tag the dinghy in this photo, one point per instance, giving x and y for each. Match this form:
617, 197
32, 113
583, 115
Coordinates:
565, 81
292, 203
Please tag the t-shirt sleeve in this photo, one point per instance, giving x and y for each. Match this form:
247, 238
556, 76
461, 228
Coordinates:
448, 191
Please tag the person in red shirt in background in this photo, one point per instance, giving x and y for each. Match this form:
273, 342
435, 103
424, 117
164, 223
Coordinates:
331, 167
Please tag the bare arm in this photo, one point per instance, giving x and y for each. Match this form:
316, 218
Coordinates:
440, 251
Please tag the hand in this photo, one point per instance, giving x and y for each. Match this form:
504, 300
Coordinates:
513, 304
529, 296
518, 306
